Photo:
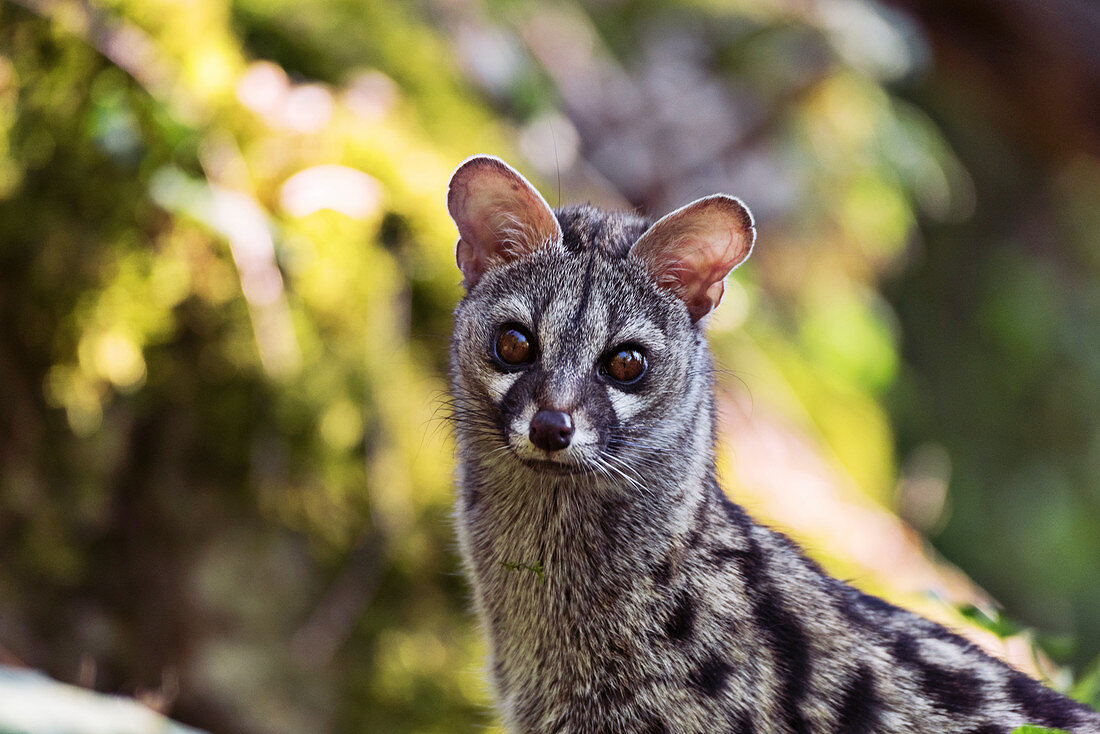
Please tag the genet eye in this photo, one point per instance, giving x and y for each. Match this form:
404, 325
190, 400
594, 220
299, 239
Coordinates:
626, 364
515, 346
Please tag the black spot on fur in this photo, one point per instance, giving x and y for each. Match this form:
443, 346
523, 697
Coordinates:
862, 609
751, 565
1040, 704
662, 572
875, 604
942, 633
859, 704
701, 522
725, 554
905, 650
681, 622
784, 635
711, 675
848, 604
956, 691
791, 647
472, 496
611, 697
733, 511
743, 724
653, 724
989, 729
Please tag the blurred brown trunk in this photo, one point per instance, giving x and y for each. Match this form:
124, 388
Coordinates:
1033, 66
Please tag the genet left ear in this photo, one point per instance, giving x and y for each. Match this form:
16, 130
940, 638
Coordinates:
692, 250
499, 215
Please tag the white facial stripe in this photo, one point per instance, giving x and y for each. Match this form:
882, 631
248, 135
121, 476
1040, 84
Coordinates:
626, 405
584, 435
512, 308
640, 331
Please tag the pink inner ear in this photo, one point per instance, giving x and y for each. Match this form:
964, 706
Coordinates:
692, 250
468, 262
499, 216
701, 281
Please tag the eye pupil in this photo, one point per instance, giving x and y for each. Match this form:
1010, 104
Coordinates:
626, 365
514, 346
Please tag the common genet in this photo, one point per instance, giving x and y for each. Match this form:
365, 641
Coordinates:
618, 588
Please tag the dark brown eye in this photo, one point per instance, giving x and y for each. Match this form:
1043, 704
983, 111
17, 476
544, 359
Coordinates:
625, 365
514, 345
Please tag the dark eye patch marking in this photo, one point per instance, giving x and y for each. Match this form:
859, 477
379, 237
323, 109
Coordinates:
519, 394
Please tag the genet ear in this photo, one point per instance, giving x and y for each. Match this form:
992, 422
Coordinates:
499, 215
692, 250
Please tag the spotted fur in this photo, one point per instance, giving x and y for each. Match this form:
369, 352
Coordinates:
661, 606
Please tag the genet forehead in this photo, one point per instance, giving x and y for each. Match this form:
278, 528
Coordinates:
587, 304
514, 307
524, 291
639, 330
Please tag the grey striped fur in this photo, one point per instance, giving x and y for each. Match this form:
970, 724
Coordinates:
624, 592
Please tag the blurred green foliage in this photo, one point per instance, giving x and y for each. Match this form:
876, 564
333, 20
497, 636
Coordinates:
212, 403
225, 284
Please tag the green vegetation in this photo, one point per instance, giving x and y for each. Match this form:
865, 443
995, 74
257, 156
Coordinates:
535, 568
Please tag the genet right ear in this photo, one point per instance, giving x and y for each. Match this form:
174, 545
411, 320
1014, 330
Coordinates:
692, 250
499, 215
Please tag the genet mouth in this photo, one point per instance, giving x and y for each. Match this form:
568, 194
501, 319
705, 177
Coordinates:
552, 467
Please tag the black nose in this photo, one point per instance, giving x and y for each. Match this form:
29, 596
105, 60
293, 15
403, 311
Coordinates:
551, 430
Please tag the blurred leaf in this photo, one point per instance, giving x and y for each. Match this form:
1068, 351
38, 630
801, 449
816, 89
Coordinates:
1086, 688
997, 622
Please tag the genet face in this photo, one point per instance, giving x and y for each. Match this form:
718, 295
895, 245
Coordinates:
575, 357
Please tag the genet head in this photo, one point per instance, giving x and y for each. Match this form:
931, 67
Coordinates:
579, 347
